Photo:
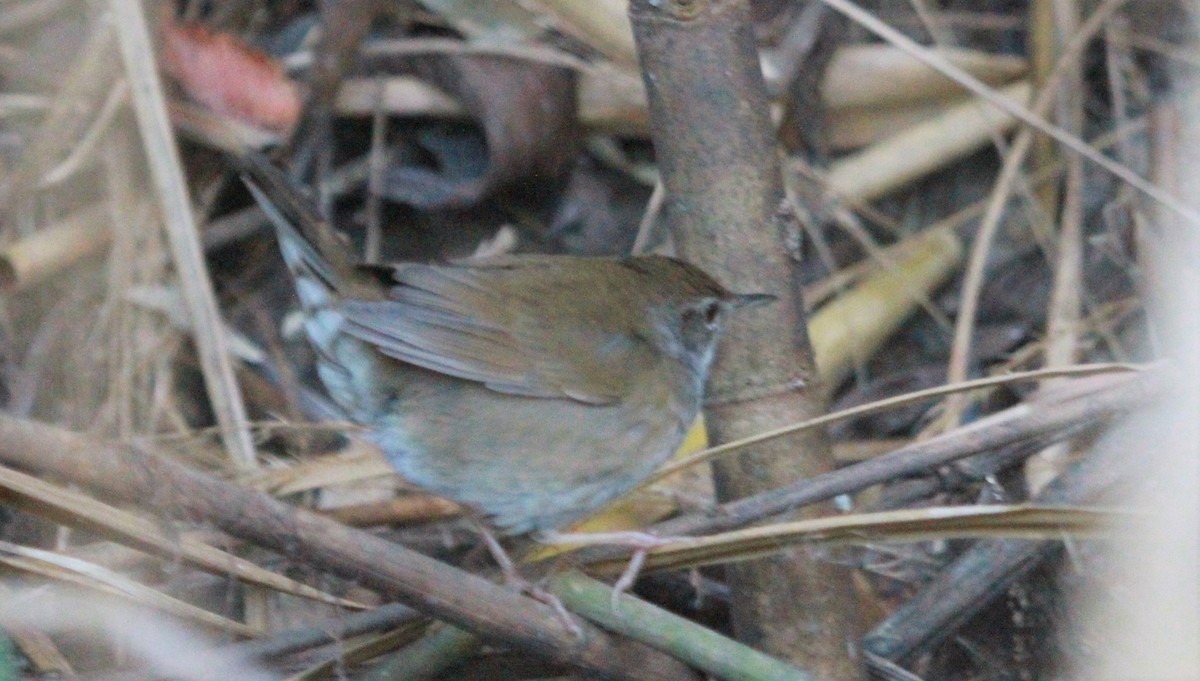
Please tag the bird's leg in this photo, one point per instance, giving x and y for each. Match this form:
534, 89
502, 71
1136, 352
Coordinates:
640, 542
507, 569
514, 580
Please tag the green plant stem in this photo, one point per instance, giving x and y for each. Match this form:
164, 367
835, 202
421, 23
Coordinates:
702, 648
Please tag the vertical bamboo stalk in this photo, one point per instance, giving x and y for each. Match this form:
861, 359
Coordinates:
725, 203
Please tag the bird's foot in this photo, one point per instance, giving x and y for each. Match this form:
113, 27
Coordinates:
513, 580
539, 593
640, 542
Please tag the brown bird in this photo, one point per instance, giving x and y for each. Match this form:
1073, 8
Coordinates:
534, 389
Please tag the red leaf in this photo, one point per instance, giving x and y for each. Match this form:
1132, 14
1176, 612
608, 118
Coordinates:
228, 76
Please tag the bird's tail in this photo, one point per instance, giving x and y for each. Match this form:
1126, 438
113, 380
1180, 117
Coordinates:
319, 258
310, 245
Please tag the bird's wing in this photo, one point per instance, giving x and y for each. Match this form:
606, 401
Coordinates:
482, 323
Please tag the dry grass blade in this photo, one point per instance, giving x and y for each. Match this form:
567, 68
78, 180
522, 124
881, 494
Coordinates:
601, 24
404, 510
362, 650
892, 402
43, 655
71, 508
1025, 522
166, 170
41, 651
363, 463
219, 132
1010, 171
613, 99
968, 81
400, 96
80, 572
817, 293
83, 86
85, 149
488, 23
1063, 325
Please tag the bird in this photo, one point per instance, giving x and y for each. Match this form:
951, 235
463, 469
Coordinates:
532, 389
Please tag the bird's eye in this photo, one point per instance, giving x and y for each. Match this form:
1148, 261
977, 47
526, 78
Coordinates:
712, 312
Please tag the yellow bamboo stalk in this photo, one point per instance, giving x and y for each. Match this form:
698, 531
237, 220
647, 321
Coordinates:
923, 148
852, 328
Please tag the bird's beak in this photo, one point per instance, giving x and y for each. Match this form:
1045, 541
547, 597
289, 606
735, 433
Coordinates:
740, 300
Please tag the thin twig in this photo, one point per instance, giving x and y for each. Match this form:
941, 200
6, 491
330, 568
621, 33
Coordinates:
889, 403
163, 155
1030, 117
1062, 325
960, 350
1090, 400
378, 163
87, 145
